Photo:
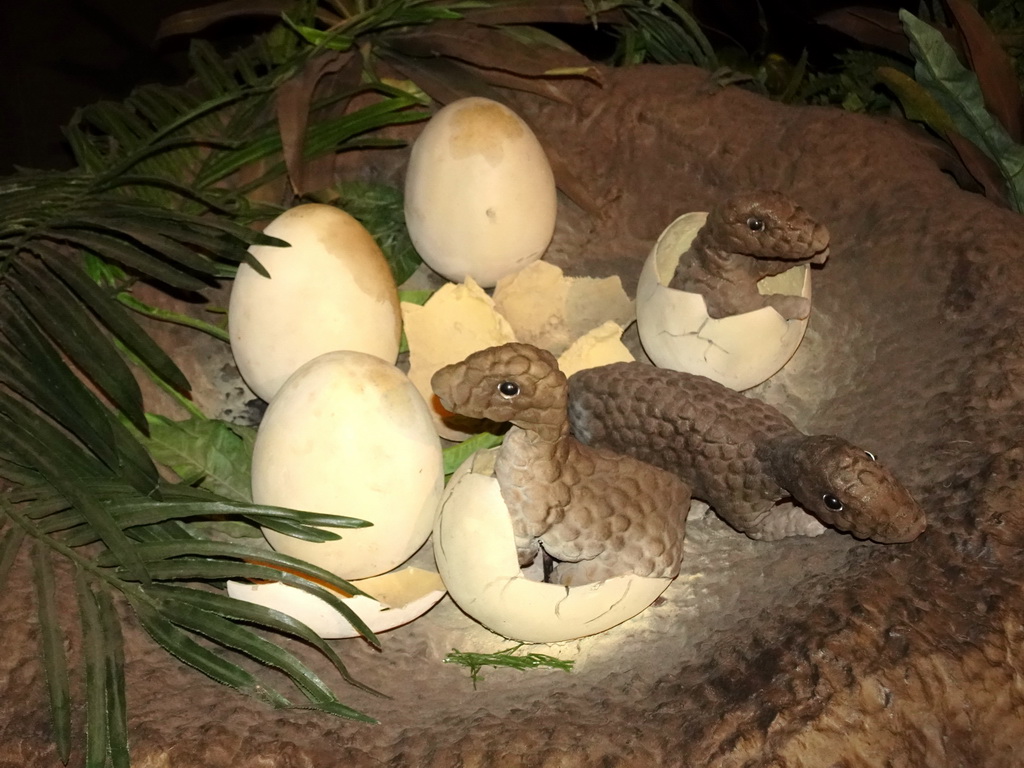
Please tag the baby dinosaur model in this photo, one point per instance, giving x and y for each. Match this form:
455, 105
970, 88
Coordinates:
749, 237
598, 513
740, 455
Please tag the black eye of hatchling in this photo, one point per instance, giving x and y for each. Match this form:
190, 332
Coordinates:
508, 389
756, 224
832, 502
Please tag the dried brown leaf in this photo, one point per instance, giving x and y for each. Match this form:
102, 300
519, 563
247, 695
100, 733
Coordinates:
993, 66
293, 101
487, 48
981, 167
873, 26
197, 19
540, 12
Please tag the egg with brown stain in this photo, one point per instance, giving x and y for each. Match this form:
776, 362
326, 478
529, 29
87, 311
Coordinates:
330, 289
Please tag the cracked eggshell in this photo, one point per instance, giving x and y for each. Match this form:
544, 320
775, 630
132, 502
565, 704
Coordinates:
476, 557
458, 320
398, 598
331, 289
601, 346
739, 351
551, 311
348, 434
480, 195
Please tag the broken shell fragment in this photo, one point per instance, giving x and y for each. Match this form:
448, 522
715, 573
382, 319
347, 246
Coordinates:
739, 351
458, 320
398, 598
551, 311
476, 557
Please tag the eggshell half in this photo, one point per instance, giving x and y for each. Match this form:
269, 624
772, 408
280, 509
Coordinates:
402, 596
739, 351
480, 196
476, 557
348, 434
331, 289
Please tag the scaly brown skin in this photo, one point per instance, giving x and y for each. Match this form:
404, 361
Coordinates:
749, 237
600, 514
740, 455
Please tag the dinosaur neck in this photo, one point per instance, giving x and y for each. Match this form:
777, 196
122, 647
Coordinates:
779, 455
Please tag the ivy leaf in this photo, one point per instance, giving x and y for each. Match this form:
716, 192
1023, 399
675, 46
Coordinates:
211, 453
956, 88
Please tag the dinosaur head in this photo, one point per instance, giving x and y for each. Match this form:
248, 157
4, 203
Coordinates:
845, 487
514, 382
767, 225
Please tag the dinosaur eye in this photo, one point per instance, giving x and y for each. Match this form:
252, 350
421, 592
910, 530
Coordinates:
832, 502
508, 389
755, 224
870, 455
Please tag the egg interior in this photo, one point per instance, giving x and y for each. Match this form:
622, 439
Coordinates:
739, 351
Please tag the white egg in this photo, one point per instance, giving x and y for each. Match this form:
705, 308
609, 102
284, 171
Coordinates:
348, 434
480, 195
476, 557
331, 289
398, 598
739, 351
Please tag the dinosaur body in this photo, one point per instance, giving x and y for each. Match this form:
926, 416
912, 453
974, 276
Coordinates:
598, 513
743, 457
750, 237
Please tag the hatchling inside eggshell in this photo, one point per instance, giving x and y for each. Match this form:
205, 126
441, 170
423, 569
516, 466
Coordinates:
739, 351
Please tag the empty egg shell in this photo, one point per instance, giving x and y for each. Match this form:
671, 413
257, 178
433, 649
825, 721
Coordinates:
739, 351
476, 557
398, 598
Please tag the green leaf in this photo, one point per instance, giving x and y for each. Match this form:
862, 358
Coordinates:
10, 544
241, 610
93, 644
917, 102
57, 311
51, 639
213, 665
207, 451
114, 318
231, 635
113, 647
456, 454
957, 90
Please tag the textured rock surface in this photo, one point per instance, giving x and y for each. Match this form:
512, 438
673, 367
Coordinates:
819, 652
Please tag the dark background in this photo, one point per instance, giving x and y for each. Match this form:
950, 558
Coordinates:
57, 55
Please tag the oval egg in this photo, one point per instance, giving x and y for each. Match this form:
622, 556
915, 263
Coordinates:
348, 434
480, 196
476, 556
739, 351
331, 289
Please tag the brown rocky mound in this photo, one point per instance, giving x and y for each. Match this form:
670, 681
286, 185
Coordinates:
817, 652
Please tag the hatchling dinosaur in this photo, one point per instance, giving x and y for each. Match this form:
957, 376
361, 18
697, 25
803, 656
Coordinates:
597, 513
740, 455
747, 238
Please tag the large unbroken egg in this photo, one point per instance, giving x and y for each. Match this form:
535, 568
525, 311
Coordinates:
739, 351
348, 434
331, 289
480, 195
476, 556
